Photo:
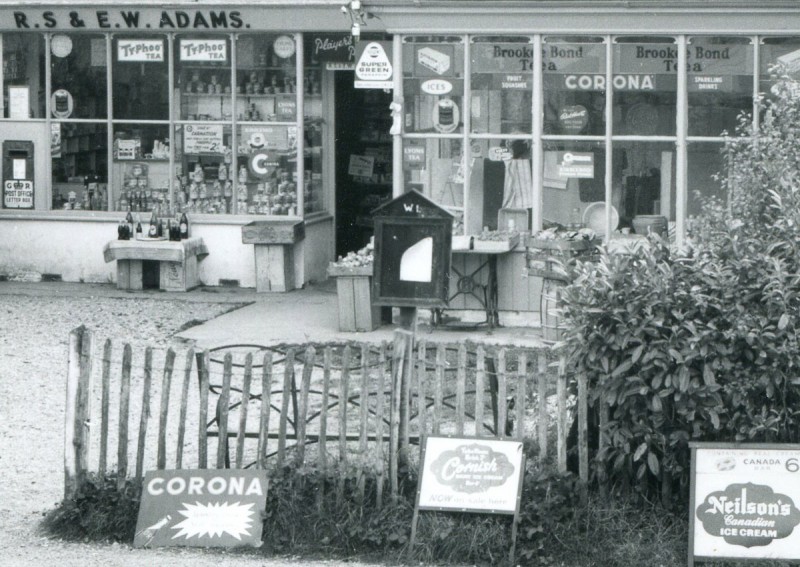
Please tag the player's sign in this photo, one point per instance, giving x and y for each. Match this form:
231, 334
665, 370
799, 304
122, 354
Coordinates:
202, 508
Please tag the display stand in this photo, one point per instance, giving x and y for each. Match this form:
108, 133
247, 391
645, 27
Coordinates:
177, 262
274, 242
354, 295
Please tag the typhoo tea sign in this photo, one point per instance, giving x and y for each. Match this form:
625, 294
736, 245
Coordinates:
745, 502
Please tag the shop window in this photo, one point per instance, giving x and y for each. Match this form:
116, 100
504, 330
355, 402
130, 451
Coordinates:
574, 80
574, 180
78, 76
265, 173
644, 80
433, 84
23, 75
437, 168
203, 77
705, 162
204, 169
779, 57
266, 78
140, 78
502, 85
720, 83
643, 180
140, 172
313, 128
79, 154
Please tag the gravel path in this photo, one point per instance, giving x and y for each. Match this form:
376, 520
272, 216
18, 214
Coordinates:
35, 321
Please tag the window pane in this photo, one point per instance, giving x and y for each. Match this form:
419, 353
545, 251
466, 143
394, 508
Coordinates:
645, 83
79, 76
433, 84
778, 56
266, 78
720, 83
266, 177
574, 86
704, 162
23, 68
203, 76
574, 178
436, 168
141, 84
140, 171
314, 126
502, 85
643, 180
204, 169
80, 165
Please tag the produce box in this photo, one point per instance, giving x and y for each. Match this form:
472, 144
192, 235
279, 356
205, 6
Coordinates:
505, 244
576, 245
352, 271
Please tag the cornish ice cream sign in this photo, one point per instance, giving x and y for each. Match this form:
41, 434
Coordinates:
474, 475
201, 508
745, 501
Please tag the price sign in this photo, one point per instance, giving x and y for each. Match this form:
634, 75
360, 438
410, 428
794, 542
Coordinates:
202, 138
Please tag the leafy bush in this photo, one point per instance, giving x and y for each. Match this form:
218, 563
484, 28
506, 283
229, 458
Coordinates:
700, 343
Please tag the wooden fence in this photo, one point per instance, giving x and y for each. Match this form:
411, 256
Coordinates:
352, 408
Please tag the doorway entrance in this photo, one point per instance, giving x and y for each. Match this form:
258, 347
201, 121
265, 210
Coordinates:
363, 160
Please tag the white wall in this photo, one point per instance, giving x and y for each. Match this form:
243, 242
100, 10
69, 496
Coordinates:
55, 243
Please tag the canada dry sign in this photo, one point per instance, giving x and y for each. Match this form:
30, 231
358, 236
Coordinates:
201, 508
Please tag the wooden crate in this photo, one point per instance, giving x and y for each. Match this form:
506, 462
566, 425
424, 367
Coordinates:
354, 296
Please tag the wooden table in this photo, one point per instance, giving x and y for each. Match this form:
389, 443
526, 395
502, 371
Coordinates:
273, 245
177, 262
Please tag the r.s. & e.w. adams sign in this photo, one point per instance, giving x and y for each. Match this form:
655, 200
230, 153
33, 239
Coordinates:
745, 502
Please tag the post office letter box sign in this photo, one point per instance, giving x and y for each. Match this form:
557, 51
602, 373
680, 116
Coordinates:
413, 240
202, 508
18, 182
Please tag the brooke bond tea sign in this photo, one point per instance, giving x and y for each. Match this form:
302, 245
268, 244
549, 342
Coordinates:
202, 508
745, 502
471, 475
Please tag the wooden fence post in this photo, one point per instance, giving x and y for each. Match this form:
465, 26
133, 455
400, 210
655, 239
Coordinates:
243, 407
166, 383
76, 434
223, 406
124, 415
302, 415
203, 364
266, 400
104, 400
187, 375
145, 415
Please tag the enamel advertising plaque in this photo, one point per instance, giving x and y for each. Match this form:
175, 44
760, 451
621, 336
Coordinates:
471, 475
745, 502
202, 508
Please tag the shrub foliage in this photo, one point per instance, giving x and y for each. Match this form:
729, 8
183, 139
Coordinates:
701, 343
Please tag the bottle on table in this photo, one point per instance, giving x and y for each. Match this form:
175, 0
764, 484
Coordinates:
139, 231
153, 230
184, 227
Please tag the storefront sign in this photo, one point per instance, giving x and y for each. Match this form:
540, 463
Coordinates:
413, 156
745, 501
202, 138
336, 49
374, 65
502, 57
18, 194
18, 102
286, 108
262, 164
204, 50
55, 140
597, 82
512, 82
436, 87
143, 50
711, 83
575, 165
257, 137
127, 149
434, 61
283, 46
471, 475
361, 166
573, 119
201, 508
574, 58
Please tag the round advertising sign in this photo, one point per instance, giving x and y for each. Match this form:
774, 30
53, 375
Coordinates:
262, 164
284, 46
61, 104
573, 119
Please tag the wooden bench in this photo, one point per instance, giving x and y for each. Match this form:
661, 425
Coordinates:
177, 262
273, 244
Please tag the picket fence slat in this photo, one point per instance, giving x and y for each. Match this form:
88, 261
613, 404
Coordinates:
286, 395
407, 365
105, 395
541, 422
301, 419
363, 420
437, 389
266, 401
422, 397
223, 405
145, 414
561, 417
124, 414
519, 397
166, 382
343, 403
480, 384
502, 389
245, 404
461, 385
379, 401
583, 417
203, 364
327, 356
187, 377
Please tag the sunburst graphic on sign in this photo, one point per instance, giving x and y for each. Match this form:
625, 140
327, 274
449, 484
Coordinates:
214, 520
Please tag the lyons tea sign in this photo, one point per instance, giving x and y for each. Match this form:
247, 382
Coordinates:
745, 502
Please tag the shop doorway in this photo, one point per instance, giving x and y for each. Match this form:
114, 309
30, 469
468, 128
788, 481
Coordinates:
363, 160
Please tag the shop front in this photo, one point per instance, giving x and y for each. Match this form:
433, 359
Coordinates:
511, 115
